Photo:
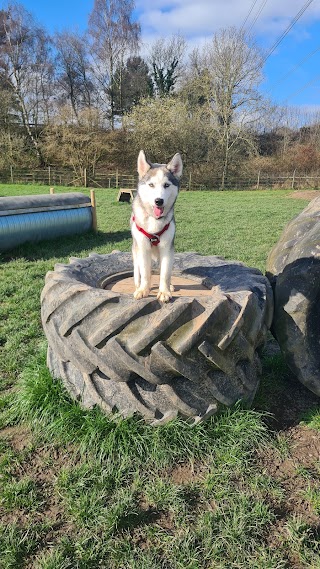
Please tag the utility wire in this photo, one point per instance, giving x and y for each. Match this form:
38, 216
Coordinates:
248, 15
287, 30
258, 14
303, 60
304, 87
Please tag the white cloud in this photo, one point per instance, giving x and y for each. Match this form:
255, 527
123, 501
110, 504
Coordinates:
199, 19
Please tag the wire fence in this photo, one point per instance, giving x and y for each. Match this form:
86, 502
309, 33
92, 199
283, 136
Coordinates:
115, 179
67, 177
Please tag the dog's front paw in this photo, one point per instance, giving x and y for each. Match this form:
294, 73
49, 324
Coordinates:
164, 296
141, 293
172, 289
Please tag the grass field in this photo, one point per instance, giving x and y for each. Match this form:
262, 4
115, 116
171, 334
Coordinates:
78, 490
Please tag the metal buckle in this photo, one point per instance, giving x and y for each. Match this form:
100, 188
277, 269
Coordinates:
154, 240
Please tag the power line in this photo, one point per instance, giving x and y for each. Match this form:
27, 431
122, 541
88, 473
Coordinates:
248, 15
258, 14
287, 30
303, 60
304, 87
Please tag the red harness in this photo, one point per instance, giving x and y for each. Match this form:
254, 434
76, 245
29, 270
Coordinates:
154, 238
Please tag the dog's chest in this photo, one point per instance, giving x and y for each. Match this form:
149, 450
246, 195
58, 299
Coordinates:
153, 225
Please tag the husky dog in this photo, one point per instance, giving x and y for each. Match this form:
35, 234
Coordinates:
152, 223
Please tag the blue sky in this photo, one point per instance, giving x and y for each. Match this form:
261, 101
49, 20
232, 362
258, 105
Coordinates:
198, 20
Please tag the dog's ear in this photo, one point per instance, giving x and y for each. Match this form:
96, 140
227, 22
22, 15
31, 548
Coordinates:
143, 164
175, 165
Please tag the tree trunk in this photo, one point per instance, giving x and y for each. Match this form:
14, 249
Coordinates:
26, 124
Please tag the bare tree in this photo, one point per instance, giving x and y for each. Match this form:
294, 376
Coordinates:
114, 36
225, 76
12, 141
73, 70
25, 68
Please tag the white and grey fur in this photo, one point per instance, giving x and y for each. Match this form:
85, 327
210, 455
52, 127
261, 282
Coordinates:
158, 184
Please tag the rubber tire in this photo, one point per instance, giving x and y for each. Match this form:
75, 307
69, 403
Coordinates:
293, 268
158, 361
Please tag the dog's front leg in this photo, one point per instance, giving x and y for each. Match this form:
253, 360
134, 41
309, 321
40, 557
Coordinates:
166, 262
142, 260
136, 270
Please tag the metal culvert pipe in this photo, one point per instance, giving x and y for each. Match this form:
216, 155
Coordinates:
34, 218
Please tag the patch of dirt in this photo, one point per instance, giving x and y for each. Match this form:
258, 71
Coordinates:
305, 194
306, 446
296, 471
42, 465
19, 437
287, 467
187, 473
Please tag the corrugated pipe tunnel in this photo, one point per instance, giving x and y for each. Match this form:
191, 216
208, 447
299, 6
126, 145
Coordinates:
34, 218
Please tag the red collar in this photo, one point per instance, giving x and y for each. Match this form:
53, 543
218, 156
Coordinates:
154, 238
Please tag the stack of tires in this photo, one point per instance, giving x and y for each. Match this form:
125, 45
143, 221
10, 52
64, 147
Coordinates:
197, 353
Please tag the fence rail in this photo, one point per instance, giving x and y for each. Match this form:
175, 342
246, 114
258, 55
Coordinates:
115, 179
66, 177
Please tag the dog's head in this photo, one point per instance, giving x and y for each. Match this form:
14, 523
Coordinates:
159, 184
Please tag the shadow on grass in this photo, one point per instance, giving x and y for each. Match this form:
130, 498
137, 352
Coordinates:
65, 245
141, 518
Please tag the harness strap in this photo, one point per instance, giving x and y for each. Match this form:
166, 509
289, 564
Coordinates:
154, 238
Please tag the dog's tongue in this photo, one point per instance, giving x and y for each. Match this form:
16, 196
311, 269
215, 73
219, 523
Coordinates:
158, 211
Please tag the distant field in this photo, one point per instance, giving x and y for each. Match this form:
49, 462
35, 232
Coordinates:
239, 225
78, 490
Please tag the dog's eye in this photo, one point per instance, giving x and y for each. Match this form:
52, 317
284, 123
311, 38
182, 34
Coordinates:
151, 185
166, 185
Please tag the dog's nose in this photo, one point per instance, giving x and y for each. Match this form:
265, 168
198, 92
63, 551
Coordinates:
158, 202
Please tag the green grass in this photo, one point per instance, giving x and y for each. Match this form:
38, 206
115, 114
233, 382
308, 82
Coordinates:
91, 492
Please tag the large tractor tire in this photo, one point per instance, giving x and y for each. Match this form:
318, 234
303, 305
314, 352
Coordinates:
293, 268
157, 360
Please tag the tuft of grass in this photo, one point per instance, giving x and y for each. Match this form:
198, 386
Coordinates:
232, 526
20, 494
54, 559
4, 446
312, 494
17, 542
95, 498
281, 444
9, 461
303, 541
9, 413
163, 495
312, 419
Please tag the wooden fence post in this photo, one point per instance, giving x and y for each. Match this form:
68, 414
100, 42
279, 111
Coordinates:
85, 178
11, 174
258, 181
293, 177
117, 177
49, 174
190, 178
94, 210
